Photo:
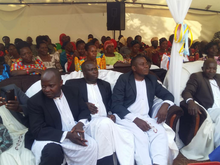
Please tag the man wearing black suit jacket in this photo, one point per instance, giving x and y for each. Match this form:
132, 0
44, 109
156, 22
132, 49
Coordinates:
109, 137
57, 116
132, 100
203, 87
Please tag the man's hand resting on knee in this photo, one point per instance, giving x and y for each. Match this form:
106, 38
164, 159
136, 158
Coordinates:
193, 108
76, 135
162, 113
142, 124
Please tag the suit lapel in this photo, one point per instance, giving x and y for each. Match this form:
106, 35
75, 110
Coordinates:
54, 112
148, 88
102, 90
132, 83
209, 87
83, 90
69, 99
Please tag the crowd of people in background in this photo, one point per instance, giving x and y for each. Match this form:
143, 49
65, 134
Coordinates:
25, 58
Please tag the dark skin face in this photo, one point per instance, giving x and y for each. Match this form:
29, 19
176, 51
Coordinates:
81, 49
13, 51
213, 51
129, 39
90, 73
163, 45
139, 39
136, 48
103, 39
97, 44
6, 40
141, 68
51, 85
110, 49
209, 69
43, 49
154, 44
69, 47
26, 55
29, 40
92, 53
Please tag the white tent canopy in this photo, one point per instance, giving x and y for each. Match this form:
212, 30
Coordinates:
78, 20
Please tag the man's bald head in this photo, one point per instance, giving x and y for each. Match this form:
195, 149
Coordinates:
51, 83
209, 68
209, 60
85, 65
51, 72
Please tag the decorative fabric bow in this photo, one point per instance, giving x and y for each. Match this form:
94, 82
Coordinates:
181, 36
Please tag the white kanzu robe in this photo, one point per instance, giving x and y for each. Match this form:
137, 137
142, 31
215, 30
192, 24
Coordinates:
17, 154
74, 154
151, 147
109, 136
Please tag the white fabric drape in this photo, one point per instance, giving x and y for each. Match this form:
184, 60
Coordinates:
178, 9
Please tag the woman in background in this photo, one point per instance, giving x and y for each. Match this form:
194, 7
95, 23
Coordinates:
49, 60
26, 65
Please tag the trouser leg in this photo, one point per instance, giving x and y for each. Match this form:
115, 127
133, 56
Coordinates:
108, 160
158, 143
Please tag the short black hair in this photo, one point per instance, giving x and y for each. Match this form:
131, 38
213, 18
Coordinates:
21, 45
80, 42
88, 45
17, 40
134, 42
40, 39
135, 38
209, 45
5, 37
133, 61
94, 40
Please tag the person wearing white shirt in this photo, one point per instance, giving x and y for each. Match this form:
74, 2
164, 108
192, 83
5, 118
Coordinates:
109, 136
132, 101
203, 87
58, 117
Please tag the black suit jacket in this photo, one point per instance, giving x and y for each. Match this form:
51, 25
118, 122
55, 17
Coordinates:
45, 120
198, 88
104, 88
124, 93
22, 98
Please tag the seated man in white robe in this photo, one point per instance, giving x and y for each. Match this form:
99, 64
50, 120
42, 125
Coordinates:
132, 101
14, 114
109, 136
203, 87
57, 117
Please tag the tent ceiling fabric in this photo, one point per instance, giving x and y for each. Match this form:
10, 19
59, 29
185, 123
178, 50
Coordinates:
196, 4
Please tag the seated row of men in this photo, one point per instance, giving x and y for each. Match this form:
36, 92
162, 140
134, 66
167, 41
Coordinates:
74, 122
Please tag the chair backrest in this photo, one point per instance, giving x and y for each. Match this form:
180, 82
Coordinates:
107, 75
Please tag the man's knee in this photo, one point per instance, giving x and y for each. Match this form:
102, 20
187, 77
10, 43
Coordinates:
106, 124
52, 154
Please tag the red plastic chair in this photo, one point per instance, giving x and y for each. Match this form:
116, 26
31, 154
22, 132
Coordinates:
206, 163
